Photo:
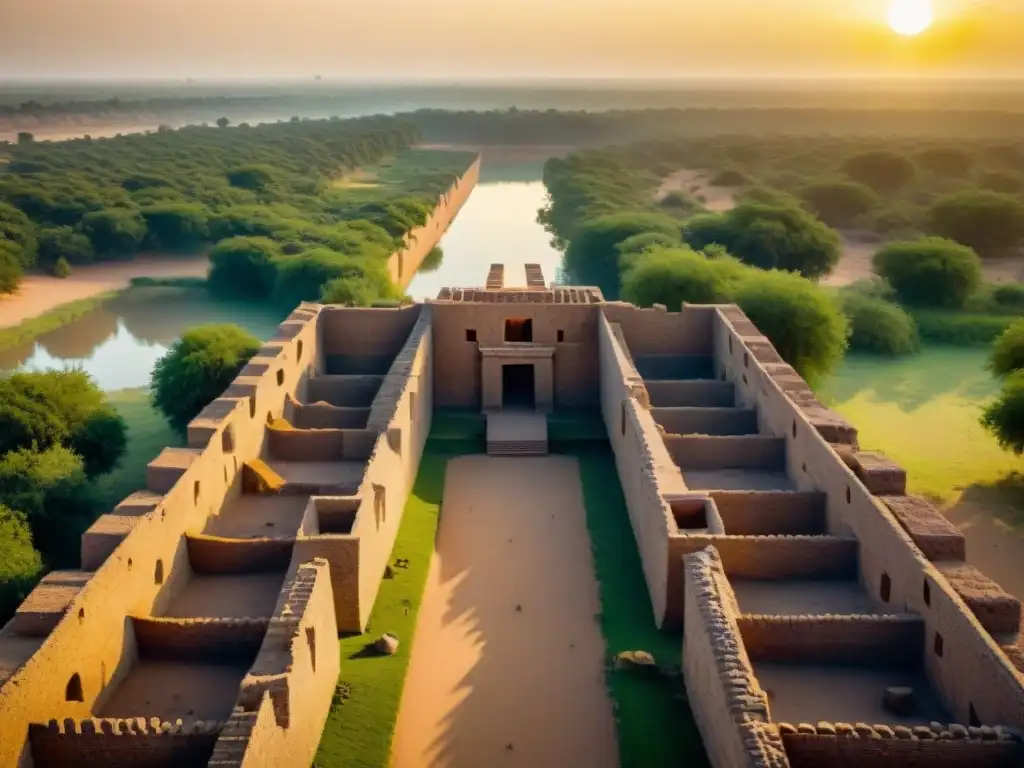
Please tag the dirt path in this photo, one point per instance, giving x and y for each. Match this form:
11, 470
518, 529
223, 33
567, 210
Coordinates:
508, 668
38, 294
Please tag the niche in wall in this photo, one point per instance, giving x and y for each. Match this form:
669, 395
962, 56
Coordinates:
886, 588
518, 330
158, 574
311, 642
73, 690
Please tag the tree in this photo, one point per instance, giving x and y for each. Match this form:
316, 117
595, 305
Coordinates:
769, 237
989, 222
879, 326
303, 277
802, 321
254, 177
17, 228
114, 232
1004, 417
882, 170
593, 257
10, 266
197, 369
673, 276
1007, 356
223, 122
1002, 181
53, 491
351, 291
839, 203
24, 137
951, 162
244, 266
646, 241
20, 564
175, 226
63, 243
930, 271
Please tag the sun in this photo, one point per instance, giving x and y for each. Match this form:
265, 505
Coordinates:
910, 17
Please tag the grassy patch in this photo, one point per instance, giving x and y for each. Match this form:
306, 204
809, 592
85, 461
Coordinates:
655, 728
960, 328
168, 282
52, 320
362, 720
922, 411
148, 434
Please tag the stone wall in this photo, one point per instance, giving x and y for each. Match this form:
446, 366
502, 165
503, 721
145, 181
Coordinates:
731, 709
972, 674
403, 264
645, 469
110, 743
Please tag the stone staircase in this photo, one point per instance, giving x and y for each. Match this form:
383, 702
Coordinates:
517, 434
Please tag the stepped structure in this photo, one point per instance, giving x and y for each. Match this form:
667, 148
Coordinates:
829, 618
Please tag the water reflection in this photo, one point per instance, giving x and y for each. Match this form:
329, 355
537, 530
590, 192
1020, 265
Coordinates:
119, 343
498, 224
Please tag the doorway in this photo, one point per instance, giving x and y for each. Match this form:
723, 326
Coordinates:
517, 386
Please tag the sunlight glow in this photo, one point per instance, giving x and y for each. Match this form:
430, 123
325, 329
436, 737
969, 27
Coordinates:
910, 17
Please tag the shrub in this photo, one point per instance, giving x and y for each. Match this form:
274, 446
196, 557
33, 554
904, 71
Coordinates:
10, 266
1009, 296
945, 161
882, 170
351, 291
303, 277
16, 227
769, 237
114, 232
1007, 354
252, 177
1004, 417
930, 271
672, 277
879, 326
432, 261
802, 321
176, 225
730, 177
839, 203
61, 408
648, 241
680, 204
63, 243
61, 268
20, 564
593, 257
197, 369
988, 222
960, 328
1002, 181
243, 266
53, 491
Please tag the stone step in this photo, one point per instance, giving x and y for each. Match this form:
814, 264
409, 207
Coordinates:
517, 448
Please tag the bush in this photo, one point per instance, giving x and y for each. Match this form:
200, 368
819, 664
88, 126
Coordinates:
672, 277
61, 408
945, 161
61, 268
593, 257
879, 326
769, 237
20, 564
1007, 354
802, 321
730, 177
1004, 418
16, 227
10, 266
930, 271
1002, 181
839, 203
252, 177
680, 204
882, 170
197, 369
988, 222
647, 241
960, 328
115, 232
1009, 296
432, 261
56, 496
175, 226
352, 291
303, 277
243, 267
63, 243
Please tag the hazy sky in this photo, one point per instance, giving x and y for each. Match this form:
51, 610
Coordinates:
495, 38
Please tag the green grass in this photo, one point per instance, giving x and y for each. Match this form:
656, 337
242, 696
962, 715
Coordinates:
168, 282
960, 328
359, 728
52, 320
655, 727
148, 434
922, 411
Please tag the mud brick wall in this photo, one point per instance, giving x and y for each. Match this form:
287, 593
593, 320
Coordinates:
972, 674
213, 554
778, 557
199, 639
122, 743
729, 706
872, 640
645, 469
684, 331
763, 513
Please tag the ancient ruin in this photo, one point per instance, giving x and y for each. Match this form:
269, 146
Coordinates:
829, 618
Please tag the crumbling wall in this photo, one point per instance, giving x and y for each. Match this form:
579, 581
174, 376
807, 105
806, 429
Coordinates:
403, 264
645, 469
91, 639
730, 708
659, 332
963, 663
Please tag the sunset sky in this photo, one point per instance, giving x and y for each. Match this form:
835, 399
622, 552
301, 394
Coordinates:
467, 39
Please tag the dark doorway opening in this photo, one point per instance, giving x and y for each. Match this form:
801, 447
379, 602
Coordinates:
518, 330
517, 386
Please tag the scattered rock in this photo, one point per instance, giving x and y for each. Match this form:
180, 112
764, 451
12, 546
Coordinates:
635, 660
899, 700
386, 644
388, 572
401, 562
509, 746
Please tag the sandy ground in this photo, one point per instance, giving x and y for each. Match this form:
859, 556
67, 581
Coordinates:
993, 546
38, 294
508, 667
858, 247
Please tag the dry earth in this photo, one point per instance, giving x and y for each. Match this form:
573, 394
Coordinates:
508, 666
38, 294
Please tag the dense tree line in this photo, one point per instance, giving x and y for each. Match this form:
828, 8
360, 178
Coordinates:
89, 200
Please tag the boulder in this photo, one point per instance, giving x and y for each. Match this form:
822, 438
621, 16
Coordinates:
386, 644
641, 660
